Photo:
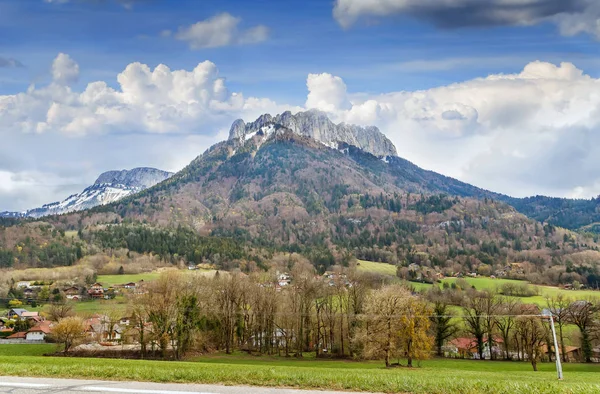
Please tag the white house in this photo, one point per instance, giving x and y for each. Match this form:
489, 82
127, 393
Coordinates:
39, 332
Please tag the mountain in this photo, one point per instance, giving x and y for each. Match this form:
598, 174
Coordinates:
110, 186
299, 184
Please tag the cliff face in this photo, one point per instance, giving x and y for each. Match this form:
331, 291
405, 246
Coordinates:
318, 126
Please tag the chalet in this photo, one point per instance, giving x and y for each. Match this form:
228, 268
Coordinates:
96, 291
39, 332
129, 286
72, 293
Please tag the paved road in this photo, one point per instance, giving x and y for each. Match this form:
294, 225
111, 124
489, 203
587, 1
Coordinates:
17, 385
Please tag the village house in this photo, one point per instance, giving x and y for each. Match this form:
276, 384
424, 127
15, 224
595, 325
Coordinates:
129, 286
17, 335
39, 332
573, 353
96, 291
16, 313
31, 316
98, 328
72, 293
467, 348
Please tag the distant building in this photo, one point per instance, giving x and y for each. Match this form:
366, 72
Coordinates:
96, 291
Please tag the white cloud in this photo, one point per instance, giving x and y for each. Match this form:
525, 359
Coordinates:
571, 16
153, 117
326, 92
64, 70
219, 31
528, 133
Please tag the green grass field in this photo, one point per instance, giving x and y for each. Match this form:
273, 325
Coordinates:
483, 283
112, 280
434, 376
379, 268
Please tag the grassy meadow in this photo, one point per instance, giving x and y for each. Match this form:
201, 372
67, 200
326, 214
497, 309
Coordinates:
433, 376
482, 283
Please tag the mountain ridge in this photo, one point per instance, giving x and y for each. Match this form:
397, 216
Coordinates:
316, 125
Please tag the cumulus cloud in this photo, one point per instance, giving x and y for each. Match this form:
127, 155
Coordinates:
10, 63
219, 31
326, 92
153, 117
64, 70
521, 134
571, 16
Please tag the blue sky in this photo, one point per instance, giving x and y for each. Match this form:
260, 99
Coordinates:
104, 37
388, 54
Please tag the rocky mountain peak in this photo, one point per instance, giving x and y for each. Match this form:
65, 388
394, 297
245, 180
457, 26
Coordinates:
316, 125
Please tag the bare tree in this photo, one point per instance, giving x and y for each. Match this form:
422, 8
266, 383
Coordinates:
60, 310
583, 315
558, 305
508, 310
474, 314
532, 333
491, 303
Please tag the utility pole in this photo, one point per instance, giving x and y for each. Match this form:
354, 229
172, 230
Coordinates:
558, 364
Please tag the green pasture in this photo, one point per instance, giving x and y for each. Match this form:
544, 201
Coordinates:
435, 376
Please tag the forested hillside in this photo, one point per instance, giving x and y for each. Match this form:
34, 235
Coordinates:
237, 208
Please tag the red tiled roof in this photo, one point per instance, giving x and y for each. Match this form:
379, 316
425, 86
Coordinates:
463, 343
42, 327
17, 335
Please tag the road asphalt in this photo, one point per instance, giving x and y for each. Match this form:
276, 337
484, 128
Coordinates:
19, 385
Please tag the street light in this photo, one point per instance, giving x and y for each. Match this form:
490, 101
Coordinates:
548, 314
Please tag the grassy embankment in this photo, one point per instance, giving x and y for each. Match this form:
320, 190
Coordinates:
435, 376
